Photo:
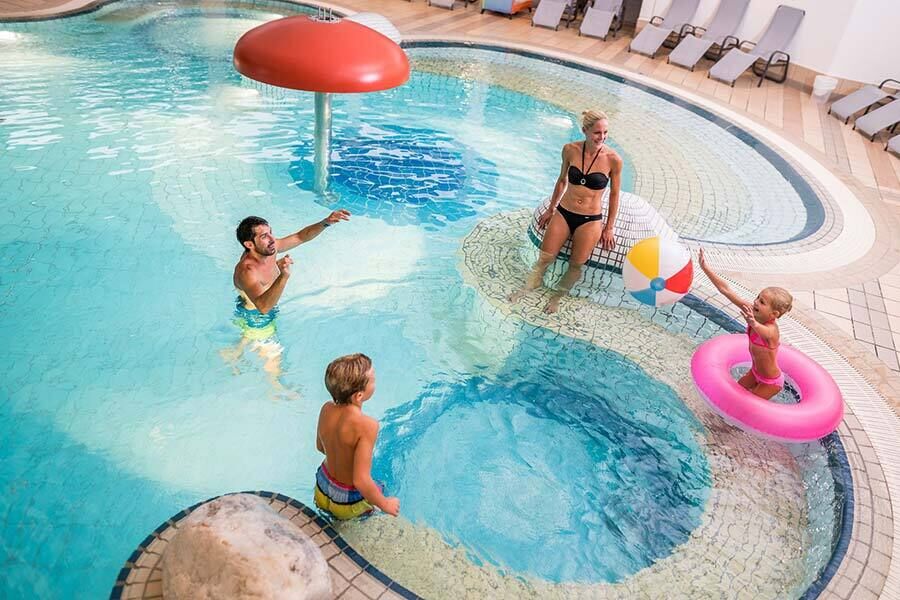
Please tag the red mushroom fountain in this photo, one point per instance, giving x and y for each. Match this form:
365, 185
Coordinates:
325, 55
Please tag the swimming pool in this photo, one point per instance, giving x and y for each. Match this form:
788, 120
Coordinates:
133, 149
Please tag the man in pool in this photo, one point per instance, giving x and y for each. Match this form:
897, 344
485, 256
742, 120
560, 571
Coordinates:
344, 485
258, 276
260, 280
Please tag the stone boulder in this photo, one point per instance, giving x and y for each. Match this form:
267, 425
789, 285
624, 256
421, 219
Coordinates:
238, 547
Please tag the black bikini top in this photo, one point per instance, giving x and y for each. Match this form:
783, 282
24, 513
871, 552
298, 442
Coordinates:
592, 181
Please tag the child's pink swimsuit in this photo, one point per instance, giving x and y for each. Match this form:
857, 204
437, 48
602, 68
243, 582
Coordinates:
757, 340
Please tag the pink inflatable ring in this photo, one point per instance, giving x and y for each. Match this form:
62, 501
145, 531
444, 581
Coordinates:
818, 413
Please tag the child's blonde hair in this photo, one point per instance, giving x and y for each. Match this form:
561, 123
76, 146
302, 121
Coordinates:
781, 300
589, 117
347, 375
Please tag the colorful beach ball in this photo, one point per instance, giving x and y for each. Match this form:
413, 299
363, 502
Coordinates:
658, 272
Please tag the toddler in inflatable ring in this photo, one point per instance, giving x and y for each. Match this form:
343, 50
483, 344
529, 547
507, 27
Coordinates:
764, 379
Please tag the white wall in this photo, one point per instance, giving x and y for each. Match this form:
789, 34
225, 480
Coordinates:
870, 48
837, 37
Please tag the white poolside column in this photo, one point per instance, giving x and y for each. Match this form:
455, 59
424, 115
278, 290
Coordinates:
322, 142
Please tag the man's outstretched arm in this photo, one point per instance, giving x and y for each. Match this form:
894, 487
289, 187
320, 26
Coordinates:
310, 231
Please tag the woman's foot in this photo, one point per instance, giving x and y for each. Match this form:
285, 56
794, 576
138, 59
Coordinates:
552, 305
517, 295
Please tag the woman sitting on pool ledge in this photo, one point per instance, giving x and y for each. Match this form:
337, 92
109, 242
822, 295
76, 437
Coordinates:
576, 207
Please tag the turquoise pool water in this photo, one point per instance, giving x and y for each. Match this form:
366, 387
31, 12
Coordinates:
570, 463
130, 150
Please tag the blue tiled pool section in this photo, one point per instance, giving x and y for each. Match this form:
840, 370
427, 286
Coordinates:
570, 463
402, 175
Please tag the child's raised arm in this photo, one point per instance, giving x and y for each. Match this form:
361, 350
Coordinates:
721, 284
362, 470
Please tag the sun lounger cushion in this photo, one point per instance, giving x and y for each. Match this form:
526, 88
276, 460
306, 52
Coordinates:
859, 100
549, 12
598, 19
725, 23
880, 118
894, 145
777, 38
651, 37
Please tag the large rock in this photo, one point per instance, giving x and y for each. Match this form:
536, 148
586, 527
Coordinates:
238, 547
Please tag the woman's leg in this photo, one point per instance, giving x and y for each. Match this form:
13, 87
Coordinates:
584, 240
556, 235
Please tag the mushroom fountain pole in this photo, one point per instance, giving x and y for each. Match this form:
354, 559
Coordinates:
322, 54
323, 142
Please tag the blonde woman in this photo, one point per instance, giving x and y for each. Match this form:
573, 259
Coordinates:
576, 207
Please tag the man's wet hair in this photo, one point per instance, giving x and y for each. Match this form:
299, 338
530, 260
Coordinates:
245, 229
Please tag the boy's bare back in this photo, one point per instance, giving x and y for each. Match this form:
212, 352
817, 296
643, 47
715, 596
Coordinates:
341, 430
347, 439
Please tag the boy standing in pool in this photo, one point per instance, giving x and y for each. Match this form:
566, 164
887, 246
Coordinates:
344, 484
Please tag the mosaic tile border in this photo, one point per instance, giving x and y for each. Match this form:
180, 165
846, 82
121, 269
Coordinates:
375, 584
815, 209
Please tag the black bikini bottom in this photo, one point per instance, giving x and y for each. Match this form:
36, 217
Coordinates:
576, 220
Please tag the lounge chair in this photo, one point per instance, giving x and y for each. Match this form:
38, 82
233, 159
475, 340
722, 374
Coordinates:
770, 48
880, 118
862, 98
720, 34
549, 12
507, 7
598, 19
894, 145
659, 29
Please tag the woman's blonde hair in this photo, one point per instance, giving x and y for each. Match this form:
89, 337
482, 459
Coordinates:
347, 375
589, 117
780, 300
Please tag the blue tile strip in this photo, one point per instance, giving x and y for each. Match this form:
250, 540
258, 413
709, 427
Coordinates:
843, 483
815, 210
346, 549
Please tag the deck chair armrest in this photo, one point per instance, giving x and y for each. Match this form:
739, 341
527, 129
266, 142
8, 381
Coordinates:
783, 56
730, 42
653, 20
889, 80
697, 30
744, 43
684, 30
